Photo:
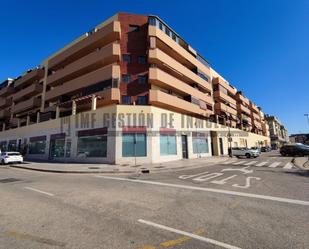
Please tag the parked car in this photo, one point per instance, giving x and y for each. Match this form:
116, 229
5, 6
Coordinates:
265, 149
245, 152
256, 148
294, 150
11, 157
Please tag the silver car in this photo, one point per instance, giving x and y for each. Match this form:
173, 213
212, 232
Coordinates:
245, 152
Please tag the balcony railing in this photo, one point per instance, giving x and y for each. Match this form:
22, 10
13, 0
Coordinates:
170, 102
27, 105
33, 75
4, 102
99, 58
100, 38
162, 79
105, 73
28, 92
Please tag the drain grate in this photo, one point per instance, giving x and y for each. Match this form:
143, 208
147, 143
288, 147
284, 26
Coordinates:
8, 180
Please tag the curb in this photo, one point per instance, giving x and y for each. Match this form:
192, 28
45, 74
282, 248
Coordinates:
72, 171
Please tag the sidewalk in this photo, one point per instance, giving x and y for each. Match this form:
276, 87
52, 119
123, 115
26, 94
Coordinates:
301, 162
111, 169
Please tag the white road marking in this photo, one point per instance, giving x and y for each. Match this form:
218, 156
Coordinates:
191, 176
241, 162
261, 164
244, 170
274, 165
204, 178
39, 191
230, 161
288, 166
212, 190
223, 181
247, 185
250, 163
191, 235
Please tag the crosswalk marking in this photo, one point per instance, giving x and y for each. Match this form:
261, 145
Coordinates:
229, 161
261, 164
288, 166
241, 162
274, 165
250, 163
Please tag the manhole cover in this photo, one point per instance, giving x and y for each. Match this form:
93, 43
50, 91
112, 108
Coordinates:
8, 180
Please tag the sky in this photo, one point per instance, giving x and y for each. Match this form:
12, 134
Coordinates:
260, 47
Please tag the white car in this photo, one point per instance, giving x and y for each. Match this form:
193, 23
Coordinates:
245, 152
11, 157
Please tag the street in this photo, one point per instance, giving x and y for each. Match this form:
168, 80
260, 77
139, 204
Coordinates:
241, 203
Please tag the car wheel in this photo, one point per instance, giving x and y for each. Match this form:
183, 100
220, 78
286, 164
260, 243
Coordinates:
2, 162
238, 157
248, 155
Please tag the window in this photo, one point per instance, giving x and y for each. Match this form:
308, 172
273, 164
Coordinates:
133, 27
134, 144
142, 79
160, 26
57, 148
126, 78
92, 146
203, 76
37, 147
141, 100
141, 59
68, 149
168, 145
126, 100
126, 58
200, 145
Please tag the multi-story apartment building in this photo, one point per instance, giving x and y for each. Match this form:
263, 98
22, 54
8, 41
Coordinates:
129, 88
278, 133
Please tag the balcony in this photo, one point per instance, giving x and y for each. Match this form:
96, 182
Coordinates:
99, 58
5, 102
256, 116
33, 75
6, 91
157, 56
241, 108
223, 83
254, 108
105, 35
105, 73
243, 99
246, 118
109, 96
173, 103
4, 114
27, 105
162, 79
28, 92
221, 95
155, 32
221, 107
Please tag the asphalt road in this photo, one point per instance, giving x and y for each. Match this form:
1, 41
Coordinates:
243, 203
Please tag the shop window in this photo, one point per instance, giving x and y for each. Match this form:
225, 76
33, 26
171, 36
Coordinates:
92, 146
200, 145
37, 147
134, 145
168, 145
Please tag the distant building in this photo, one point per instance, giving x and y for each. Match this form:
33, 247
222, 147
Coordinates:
300, 138
278, 133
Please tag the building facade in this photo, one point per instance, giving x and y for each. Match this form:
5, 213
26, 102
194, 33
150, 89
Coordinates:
302, 138
130, 89
278, 133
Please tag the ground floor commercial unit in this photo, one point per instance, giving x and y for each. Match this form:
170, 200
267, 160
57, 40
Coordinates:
123, 134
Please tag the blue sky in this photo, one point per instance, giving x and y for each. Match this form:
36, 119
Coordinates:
261, 47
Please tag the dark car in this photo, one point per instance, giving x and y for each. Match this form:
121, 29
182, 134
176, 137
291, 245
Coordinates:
294, 150
265, 149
